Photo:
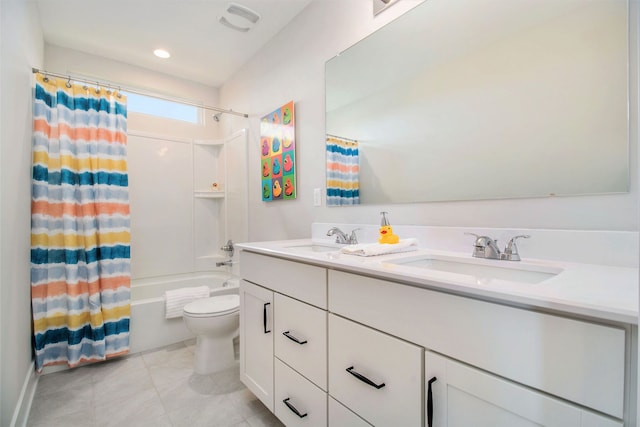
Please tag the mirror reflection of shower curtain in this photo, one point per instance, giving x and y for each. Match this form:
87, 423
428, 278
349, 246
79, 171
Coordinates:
343, 186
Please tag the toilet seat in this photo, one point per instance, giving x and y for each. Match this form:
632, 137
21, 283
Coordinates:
213, 306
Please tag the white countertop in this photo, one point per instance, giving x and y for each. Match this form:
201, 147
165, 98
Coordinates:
598, 291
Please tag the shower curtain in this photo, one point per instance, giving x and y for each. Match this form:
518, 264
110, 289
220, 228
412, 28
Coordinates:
80, 234
343, 187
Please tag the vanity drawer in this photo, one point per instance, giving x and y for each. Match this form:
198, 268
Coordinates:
377, 376
294, 393
301, 338
307, 283
577, 360
341, 416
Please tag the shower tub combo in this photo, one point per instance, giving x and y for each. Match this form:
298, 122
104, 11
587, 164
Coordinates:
149, 328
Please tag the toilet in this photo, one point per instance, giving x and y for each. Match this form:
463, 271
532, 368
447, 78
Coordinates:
215, 321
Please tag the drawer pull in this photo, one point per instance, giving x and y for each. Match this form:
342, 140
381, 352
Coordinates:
292, 338
293, 408
430, 403
364, 379
264, 317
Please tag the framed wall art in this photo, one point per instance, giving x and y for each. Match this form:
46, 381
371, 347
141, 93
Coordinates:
278, 154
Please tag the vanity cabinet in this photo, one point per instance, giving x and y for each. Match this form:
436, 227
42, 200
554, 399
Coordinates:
463, 396
343, 349
283, 337
579, 361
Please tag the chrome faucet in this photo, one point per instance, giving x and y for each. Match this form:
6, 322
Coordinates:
342, 237
486, 247
511, 251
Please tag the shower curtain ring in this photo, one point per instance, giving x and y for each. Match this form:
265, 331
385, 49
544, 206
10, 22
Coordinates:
97, 88
69, 82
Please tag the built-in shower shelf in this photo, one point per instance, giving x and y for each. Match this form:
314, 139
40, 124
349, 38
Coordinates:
208, 142
208, 194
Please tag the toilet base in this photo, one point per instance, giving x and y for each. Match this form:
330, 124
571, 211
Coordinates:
213, 354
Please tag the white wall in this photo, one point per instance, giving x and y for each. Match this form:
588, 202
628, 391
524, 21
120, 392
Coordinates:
291, 67
22, 48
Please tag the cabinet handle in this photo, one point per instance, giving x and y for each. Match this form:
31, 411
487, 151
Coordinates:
292, 338
430, 403
293, 408
264, 317
364, 379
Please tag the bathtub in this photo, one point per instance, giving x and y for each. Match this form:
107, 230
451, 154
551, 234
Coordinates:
149, 329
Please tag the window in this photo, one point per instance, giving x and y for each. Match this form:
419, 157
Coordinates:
162, 108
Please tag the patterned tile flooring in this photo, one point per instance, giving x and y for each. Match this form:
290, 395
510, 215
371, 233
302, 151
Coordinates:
156, 388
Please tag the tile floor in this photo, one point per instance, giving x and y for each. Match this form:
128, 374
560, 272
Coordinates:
156, 388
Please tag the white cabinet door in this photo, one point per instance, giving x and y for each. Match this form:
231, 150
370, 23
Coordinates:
256, 341
463, 396
298, 402
375, 375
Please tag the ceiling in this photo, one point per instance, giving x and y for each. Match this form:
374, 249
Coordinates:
202, 49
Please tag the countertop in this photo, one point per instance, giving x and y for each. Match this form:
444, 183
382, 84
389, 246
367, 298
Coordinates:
601, 292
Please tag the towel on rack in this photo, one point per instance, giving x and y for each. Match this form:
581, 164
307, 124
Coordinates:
176, 299
373, 249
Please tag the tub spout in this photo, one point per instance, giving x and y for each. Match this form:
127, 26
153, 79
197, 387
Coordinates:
227, 262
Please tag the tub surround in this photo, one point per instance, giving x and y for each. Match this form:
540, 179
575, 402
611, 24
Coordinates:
606, 290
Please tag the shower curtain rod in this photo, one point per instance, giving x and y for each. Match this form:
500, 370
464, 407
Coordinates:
137, 92
342, 138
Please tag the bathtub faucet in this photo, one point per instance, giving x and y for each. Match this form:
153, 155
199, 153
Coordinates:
228, 262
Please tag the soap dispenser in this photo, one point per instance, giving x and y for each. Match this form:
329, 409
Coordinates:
386, 232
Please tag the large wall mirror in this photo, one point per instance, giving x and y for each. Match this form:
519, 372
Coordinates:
482, 99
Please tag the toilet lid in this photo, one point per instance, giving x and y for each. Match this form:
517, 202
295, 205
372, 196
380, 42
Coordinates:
214, 306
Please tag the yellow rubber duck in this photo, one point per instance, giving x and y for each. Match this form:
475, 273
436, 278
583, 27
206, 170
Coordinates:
386, 232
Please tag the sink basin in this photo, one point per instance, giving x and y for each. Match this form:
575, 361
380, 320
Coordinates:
511, 271
314, 247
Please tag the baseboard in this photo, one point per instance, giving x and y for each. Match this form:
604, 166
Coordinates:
23, 407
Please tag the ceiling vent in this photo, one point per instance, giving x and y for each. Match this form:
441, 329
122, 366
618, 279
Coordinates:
239, 18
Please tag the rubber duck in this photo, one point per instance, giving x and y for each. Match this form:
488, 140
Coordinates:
277, 190
276, 145
386, 232
288, 163
288, 187
276, 166
266, 170
286, 116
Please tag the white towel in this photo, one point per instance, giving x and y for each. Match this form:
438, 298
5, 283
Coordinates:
176, 299
373, 249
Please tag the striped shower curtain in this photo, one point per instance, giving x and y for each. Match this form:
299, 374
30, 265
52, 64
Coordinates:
80, 235
343, 186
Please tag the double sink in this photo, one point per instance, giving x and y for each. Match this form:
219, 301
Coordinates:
482, 270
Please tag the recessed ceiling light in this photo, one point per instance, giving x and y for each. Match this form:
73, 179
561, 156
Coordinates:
161, 53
